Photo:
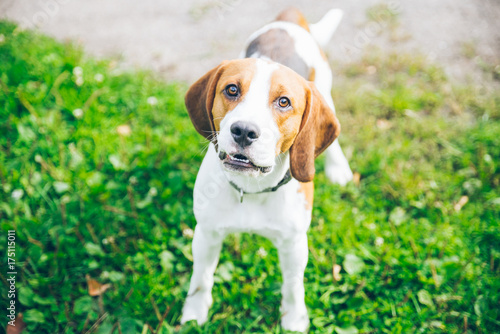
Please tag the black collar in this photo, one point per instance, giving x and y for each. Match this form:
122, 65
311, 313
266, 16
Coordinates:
284, 180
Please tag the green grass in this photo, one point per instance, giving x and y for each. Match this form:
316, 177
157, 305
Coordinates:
89, 198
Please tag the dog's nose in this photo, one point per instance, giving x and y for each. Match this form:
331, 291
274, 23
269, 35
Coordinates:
244, 133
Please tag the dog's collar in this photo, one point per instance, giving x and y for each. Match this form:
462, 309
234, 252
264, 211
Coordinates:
284, 180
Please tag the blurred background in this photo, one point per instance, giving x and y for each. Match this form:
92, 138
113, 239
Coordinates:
183, 39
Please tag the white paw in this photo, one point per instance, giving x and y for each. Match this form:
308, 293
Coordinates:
196, 308
336, 166
340, 174
295, 319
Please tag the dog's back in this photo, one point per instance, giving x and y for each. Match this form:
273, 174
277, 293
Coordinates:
292, 42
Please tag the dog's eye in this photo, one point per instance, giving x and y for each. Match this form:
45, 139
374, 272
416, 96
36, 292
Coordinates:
284, 102
232, 90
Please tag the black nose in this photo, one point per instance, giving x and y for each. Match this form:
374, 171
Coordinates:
244, 133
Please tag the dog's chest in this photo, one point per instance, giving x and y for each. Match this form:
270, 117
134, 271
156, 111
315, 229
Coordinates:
276, 215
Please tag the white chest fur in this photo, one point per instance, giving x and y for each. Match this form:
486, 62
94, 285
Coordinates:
276, 215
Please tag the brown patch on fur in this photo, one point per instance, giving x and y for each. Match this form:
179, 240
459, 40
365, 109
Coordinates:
287, 83
279, 46
205, 100
307, 188
199, 101
318, 130
312, 74
293, 15
307, 128
240, 73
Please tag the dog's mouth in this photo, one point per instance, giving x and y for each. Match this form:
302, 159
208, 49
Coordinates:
240, 162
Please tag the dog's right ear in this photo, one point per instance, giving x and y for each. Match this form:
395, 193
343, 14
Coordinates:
318, 130
199, 102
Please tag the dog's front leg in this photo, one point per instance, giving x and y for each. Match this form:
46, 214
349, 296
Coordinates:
206, 249
293, 255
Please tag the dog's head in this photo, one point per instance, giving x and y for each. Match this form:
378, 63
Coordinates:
255, 111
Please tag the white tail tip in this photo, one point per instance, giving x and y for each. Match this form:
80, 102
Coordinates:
323, 30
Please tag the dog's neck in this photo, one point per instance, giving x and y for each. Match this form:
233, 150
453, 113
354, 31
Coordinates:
252, 184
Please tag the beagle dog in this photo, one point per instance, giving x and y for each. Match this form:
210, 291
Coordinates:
267, 117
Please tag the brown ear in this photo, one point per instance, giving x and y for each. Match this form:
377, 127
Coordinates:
318, 130
199, 100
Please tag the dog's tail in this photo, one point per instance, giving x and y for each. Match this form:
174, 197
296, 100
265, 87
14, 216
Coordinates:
323, 30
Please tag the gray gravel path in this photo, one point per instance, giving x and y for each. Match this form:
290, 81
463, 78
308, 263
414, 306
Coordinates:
183, 39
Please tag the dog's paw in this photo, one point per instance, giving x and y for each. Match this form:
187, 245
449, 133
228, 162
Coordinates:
295, 320
196, 308
340, 174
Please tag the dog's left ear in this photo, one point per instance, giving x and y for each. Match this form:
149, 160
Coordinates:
318, 129
199, 101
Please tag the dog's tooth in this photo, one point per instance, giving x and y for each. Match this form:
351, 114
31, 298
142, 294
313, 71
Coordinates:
238, 159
